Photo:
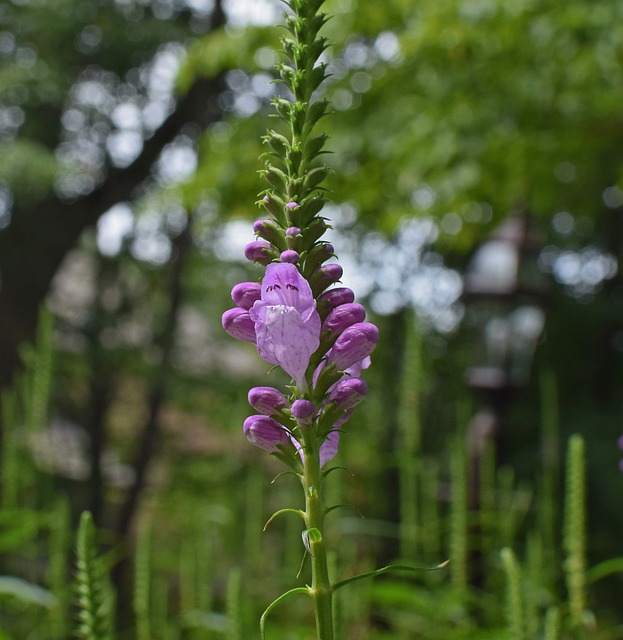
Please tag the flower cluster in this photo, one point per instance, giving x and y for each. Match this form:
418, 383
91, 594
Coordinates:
297, 319
322, 342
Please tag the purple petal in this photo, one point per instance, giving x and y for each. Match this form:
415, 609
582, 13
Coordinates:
245, 294
335, 297
356, 343
328, 449
287, 324
303, 409
267, 400
264, 432
290, 256
237, 322
348, 392
343, 316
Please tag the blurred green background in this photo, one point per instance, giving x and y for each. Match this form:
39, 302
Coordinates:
130, 132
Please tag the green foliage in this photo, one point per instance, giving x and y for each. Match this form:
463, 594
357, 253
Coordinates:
94, 599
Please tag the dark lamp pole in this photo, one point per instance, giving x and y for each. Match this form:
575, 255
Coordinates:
504, 294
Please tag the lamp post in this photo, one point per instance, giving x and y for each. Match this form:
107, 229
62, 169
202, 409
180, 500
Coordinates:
505, 295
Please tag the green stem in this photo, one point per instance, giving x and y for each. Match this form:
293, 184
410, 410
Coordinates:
321, 590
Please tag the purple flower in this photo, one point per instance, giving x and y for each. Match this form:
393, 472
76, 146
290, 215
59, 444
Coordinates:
245, 294
325, 275
335, 297
287, 324
348, 392
289, 255
343, 317
303, 410
260, 251
292, 205
266, 433
267, 400
328, 449
237, 322
353, 345
292, 232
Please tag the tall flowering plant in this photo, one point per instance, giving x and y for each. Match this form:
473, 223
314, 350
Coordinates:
296, 317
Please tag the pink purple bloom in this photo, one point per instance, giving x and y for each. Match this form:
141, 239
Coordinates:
237, 322
287, 325
289, 255
267, 400
302, 409
353, 345
348, 392
343, 317
245, 294
266, 433
260, 251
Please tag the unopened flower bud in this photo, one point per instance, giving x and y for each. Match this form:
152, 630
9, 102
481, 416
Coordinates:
353, 345
290, 256
260, 251
324, 276
343, 317
348, 392
245, 294
292, 205
237, 322
267, 400
303, 410
334, 298
292, 232
264, 432
270, 231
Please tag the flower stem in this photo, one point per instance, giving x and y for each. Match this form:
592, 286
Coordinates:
321, 590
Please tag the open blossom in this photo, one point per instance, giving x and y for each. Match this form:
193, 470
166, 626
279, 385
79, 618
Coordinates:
287, 325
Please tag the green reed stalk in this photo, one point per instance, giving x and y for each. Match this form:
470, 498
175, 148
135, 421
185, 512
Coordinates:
574, 539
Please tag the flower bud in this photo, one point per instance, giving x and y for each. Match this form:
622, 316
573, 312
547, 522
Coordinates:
343, 317
237, 322
316, 256
264, 432
324, 276
303, 410
353, 345
270, 231
260, 251
267, 400
292, 205
348, 393
292, 232
245, 294
290, 256
334, 298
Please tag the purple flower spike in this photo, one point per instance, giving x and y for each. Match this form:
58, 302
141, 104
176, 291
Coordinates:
245, 294
303, 410
237, 322
289, 256
287, 324
264, 432
348, 392
356, 343
343, 317
267, 400
259, 251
